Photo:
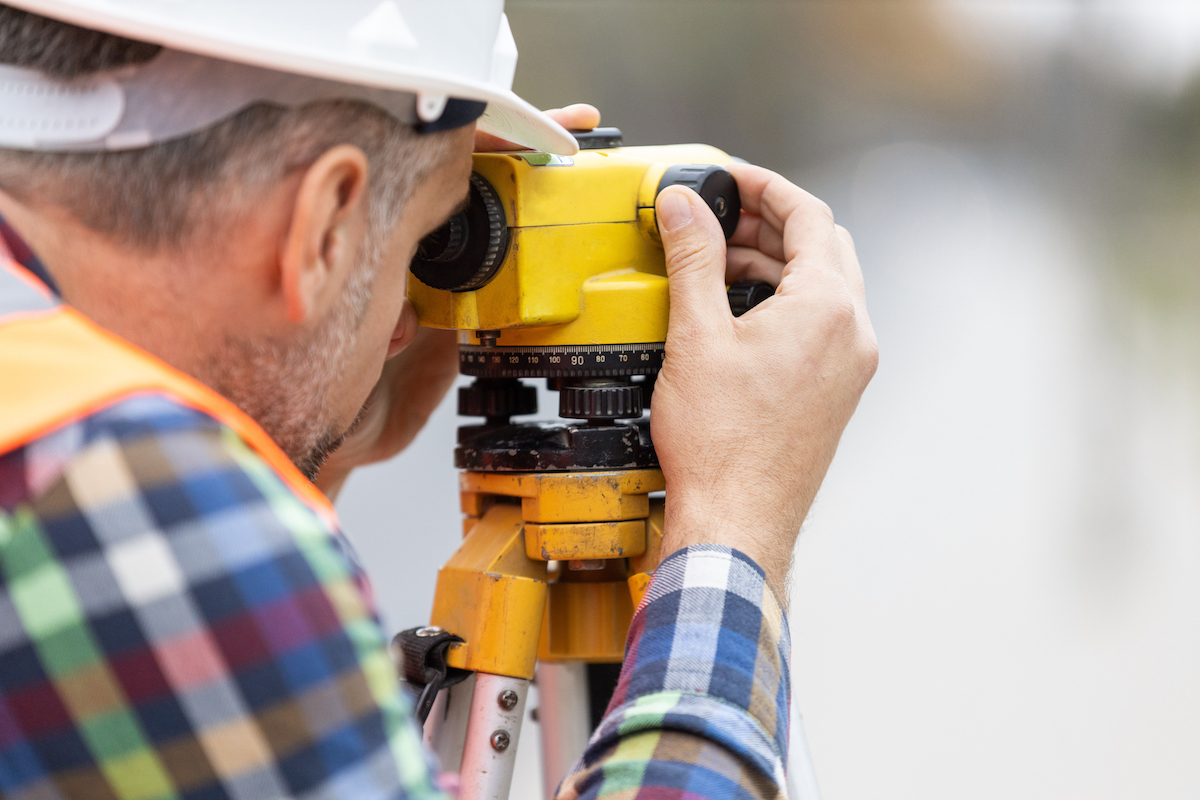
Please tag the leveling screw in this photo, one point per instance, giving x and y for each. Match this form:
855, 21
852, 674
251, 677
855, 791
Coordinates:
508, 699
500, 741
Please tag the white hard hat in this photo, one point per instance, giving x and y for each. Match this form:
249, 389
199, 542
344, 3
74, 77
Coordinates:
430, 62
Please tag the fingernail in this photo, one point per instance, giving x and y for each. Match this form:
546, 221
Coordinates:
674, 211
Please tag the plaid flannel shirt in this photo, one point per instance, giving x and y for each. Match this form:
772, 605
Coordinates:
175, 623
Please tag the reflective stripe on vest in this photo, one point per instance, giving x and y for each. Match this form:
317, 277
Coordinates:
57, 367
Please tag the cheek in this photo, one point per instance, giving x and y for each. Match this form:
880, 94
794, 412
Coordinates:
391, 324
385, 318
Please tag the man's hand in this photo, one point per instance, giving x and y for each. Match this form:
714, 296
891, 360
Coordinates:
415, 381
747, 412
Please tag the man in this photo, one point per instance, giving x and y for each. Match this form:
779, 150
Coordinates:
202, 309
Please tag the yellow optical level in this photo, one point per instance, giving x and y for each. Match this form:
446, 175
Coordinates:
559, 252
556, 270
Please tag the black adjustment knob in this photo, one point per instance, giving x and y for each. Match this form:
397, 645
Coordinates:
598, 138
715, 184
600, 401
745, 295
497, 398
467, 251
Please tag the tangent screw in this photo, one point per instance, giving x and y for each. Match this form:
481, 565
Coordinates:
508, 699
500, 741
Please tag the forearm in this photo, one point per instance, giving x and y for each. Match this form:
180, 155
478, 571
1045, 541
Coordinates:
703, 698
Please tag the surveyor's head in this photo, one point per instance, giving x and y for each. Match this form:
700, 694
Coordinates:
281, 236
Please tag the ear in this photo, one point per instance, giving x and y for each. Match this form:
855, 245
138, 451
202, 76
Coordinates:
329, 223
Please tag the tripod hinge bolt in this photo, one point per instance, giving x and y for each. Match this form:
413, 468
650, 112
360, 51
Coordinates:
500, 741
508, 700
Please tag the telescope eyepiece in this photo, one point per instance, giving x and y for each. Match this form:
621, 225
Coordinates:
466, 252
446, 243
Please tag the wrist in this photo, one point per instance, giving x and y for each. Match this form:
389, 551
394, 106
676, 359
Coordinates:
760, 533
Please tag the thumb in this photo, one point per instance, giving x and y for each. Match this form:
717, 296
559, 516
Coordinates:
695, 248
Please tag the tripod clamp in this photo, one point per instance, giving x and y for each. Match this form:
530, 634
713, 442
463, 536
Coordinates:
424, 658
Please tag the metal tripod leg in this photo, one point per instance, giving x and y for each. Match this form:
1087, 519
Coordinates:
446, 726
490, 749
564, 718
801, 777
474, 728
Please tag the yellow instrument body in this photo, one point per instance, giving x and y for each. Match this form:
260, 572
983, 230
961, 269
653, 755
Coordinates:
585, 264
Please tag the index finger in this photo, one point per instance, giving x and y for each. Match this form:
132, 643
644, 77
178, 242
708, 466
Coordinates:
804, 222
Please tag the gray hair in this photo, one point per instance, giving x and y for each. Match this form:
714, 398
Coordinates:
169, 194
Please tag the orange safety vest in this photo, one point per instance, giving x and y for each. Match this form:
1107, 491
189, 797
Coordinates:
57, 367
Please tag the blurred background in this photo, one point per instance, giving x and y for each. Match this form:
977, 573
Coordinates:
997, 593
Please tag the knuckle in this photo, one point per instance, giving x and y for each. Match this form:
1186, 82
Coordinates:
844, 235
685, 329
841, 315
821, 210
868, 357
812, 208
771, 180
687, 255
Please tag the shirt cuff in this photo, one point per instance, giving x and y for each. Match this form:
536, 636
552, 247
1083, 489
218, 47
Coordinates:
708, 653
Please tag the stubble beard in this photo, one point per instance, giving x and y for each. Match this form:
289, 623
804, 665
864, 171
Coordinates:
287, 386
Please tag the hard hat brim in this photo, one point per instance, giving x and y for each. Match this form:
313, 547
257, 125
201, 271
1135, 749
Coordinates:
507, 116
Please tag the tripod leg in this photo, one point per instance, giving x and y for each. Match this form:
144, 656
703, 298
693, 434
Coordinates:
446, 727
563, 717
801, 778
494, 728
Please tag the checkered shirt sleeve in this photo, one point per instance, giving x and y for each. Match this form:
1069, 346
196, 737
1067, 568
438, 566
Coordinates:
175, 623
701, 708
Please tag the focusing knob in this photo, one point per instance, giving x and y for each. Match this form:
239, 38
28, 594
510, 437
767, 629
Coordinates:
493, 398
715, 184
600, 400
465, 253
745, 295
